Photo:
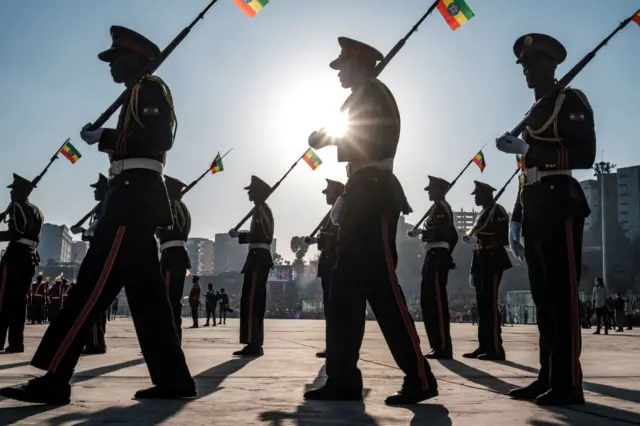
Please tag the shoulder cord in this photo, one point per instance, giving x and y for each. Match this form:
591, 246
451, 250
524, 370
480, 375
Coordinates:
18, 207
178, 214
132, 111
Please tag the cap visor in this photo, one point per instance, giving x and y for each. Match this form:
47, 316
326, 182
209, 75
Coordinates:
108, 55
10, 186
426, 188
247, 187
325, 191
336, 64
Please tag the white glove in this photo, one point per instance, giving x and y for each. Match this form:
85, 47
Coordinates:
336, 210
233, 233
319, 139
90, 136
76, 230
512, 144
469, 239
514, 240
310, 240
414, 233
472, 284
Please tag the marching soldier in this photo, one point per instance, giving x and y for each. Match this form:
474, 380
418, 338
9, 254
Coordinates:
256, 269
194, 300
54, 300
174, 258
367, 214
489, 236
550, 210
96, 341
441, 237
327, 244
124, 250
66, 290
37, 300
18, 264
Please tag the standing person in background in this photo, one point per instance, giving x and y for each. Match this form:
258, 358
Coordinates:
194, 300
211, 300
600, 304
224, 306
628, 310
619, 307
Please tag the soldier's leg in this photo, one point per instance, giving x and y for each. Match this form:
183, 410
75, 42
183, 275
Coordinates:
387, 300
441, 289
18, 279
174, 279
259, 307
563, 258
247, 299
428, 303
493, 342
479, 285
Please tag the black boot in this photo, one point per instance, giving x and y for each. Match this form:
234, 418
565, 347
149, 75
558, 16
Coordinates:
492, 356
162, 392
249, 351
333, 393
413, 393
529, 392
438, 354
321, 354
558, 398
473, 354
41, 390
14, 349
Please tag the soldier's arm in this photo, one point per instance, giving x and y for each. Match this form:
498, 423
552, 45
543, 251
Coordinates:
372, 124
149, 129
576, 128
440, 224
500, 225
483, 227
261, 230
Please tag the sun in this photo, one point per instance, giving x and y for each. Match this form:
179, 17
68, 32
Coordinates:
337, 125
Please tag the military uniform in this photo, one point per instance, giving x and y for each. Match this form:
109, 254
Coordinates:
210, 300
328, 246
194, 301
24, 221
174, 258
96, 340
552, 208
256, 270
37, 300
54, 299
124, 251
489, 261
367, 215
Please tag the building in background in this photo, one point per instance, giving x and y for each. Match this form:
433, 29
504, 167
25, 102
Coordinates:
463, 221
229, 255
591, 190
79, 251
201, 254
628, 205
56, 244
273, 247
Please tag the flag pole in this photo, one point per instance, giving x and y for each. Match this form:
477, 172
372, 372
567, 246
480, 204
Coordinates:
51, 160
206, 172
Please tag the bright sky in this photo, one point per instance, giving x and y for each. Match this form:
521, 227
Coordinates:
262, 85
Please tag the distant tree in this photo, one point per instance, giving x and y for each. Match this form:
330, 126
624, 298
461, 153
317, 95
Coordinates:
299, 249
277, 259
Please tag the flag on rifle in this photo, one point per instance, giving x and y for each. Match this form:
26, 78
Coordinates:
70, 152
251, 7
455, 12
311, 158
216, 165
636, 18
519, 160
478, 160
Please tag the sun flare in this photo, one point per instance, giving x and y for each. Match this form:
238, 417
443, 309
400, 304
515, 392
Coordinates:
337, 125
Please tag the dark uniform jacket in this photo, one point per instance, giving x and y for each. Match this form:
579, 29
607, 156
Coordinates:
144, 130
492, 230
327, 244
561, 136
260, 232
439, 227
370, 193
24, 221
95, 217
55, 295
210, 299
179, 231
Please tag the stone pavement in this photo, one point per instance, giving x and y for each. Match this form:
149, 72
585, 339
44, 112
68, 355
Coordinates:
268, 390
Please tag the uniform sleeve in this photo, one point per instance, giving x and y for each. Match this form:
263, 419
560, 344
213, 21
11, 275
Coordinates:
373, 123
575, 126
439, 223
148, 128
500, 225
261, 230
17, 221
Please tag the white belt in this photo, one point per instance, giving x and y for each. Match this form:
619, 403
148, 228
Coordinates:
354, 166
437, 245
174, 243
533, 175
120, 166
260, 245
55, 298
26, 242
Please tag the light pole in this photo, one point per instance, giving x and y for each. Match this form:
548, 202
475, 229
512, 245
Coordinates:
600, 170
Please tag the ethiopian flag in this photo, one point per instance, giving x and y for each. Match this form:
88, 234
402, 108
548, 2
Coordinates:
519, 160
251, 7
478, 160
636, 18
70, 152
311, 158
216, 166
455, 12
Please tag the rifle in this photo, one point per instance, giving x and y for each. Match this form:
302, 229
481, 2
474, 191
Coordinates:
315, 231
195, 182
151, 68
85, 217
569, 76
464, 169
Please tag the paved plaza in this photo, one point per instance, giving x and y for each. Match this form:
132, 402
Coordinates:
268, 390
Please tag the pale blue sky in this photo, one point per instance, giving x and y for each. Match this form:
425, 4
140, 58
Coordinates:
261, 86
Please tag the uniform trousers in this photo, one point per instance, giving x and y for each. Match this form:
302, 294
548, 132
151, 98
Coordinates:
174, 269
194, 314
325, 271
224, 308
16, 271
253, 303
434, 300
554, 259
96, 341
118, 255
487, 283
365, 272
54, 308
211, 312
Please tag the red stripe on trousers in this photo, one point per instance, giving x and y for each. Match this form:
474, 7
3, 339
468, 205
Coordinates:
104, 275
439, 306
494, 307
167, 278
402, 305
3, 284
573, 294
252, 292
